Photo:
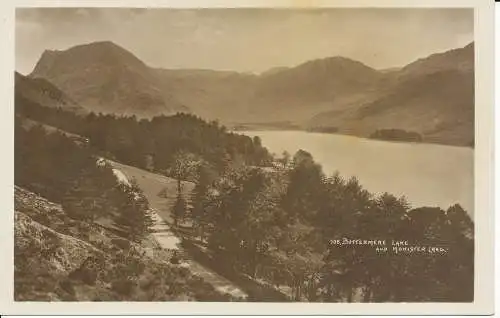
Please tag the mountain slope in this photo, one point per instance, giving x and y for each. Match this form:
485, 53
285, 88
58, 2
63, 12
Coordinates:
281, 94
44, 93
103, 77
432, 96
314, 86
210, 94
460, 59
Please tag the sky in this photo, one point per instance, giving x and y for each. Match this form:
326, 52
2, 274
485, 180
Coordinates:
246, 40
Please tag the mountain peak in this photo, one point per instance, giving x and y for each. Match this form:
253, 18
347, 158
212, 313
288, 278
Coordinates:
101, 45
105, 77
337, 61
106, 53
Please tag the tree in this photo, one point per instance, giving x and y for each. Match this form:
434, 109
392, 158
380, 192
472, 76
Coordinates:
179, 209
304, 194
460, 221
285, 159
241, 215
200, 197
184, 166
134, 212
257, 141
84, 199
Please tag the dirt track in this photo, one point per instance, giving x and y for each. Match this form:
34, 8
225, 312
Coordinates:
152, 184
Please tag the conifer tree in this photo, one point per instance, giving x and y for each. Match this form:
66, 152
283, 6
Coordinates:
179, 209
134, 212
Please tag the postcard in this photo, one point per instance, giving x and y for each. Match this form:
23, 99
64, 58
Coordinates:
248, 157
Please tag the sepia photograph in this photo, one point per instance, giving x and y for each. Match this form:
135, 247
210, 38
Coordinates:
252, 155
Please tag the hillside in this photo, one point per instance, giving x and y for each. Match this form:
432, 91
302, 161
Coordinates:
28, 124
433, 97
460, 59
78, 261
209, 94
44, 93
103, 77
301, 92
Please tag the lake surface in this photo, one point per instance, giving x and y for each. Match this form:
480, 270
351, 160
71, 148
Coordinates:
427, 174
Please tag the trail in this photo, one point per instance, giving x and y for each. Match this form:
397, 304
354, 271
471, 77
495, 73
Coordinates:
152, 185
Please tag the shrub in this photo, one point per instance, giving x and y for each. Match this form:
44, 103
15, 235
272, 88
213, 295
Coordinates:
123, 287
121, 243
86, 275
67, 286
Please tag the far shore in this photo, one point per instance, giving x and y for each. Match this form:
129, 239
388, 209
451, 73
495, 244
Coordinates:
340, 133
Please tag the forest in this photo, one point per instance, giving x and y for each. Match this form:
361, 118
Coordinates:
153, 144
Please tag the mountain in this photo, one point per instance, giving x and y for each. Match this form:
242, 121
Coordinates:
433, 96
302, 91
44, 93
280, 94
104, 77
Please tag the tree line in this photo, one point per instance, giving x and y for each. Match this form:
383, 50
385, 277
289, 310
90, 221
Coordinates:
396, 135
153, 143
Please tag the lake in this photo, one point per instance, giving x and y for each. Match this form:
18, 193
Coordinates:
427, 174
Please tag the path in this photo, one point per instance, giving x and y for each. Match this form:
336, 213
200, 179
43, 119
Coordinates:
152, 184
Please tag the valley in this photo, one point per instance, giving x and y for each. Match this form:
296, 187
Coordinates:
433, 96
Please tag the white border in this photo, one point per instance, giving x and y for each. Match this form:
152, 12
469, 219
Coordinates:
483, 176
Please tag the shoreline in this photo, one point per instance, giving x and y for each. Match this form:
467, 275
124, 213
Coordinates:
352, 135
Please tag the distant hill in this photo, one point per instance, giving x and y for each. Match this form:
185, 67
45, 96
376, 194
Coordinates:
274, 70
432, 96
104, 77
